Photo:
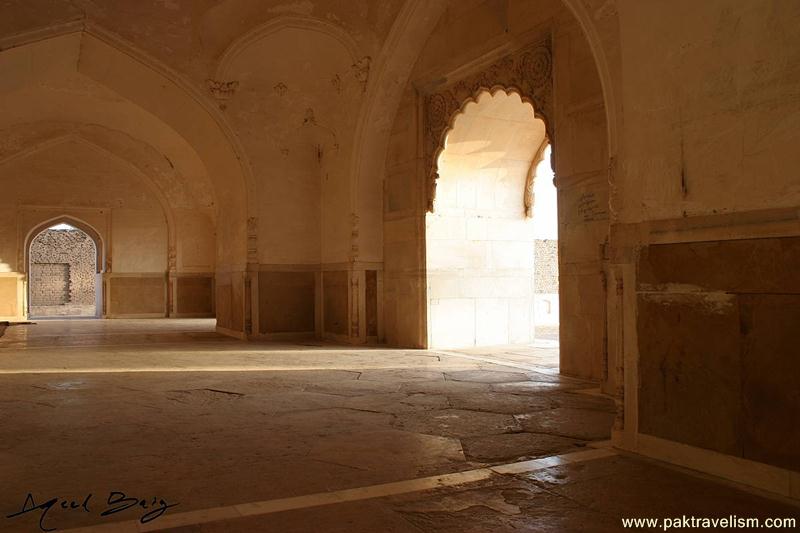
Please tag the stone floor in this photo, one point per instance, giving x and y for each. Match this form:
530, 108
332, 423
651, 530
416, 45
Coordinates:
63, 311
314, 437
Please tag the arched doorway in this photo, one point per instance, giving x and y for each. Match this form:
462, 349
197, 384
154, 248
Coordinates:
481, 239
64, 262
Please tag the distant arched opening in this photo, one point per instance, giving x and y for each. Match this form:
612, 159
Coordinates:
63, 273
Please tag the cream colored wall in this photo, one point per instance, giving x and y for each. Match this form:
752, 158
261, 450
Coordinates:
292, 113
309, 100
405, 289
8, 240
139, 240
479, 245
581, 177
195, 234
719, 108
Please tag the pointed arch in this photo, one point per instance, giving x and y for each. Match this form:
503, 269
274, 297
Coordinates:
88, 229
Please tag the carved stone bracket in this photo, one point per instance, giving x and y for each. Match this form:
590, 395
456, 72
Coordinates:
361, 71
527, 72
252, 240
354, 298
619, 363
222, 90
172, 267
354, 231
280, 89
613, 192
528, 197
172, 258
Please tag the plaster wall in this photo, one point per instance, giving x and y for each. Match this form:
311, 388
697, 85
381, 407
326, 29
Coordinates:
296, 155
196, 236
305, 217
719, 107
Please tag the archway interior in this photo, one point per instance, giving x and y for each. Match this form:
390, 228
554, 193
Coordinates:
480, 239
62, 275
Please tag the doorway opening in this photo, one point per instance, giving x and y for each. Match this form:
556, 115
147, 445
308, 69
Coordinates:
544, 206
62, 274
493, 227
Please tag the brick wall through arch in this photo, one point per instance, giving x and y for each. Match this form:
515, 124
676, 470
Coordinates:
62, 274
545, 275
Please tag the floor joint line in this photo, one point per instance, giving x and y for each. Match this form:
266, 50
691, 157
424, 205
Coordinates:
382, 490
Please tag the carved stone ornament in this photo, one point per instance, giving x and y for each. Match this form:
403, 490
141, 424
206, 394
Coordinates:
354, 231
527, 71
222, 90
354, 314
309, 119
528, 196
280, 89
252, 240
361, 71
172, 258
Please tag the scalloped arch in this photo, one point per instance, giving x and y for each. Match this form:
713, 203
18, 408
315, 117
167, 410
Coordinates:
526, 72
451, 120
462, 109
474, 100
